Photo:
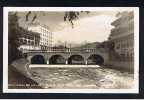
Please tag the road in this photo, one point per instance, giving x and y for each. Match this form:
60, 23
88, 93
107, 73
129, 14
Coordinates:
83, 78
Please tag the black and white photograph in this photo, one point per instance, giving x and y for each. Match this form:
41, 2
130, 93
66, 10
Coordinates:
71, 50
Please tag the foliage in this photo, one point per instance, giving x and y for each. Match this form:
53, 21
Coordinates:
13, 35
69, 16
107, 45
72, 15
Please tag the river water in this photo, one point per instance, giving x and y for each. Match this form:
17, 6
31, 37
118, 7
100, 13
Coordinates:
83, 78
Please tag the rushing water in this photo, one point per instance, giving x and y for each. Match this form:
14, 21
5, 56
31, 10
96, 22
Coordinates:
97, 78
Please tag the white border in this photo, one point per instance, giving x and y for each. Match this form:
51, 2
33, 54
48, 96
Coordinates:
5, 50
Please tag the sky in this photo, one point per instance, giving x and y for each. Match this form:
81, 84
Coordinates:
92, 27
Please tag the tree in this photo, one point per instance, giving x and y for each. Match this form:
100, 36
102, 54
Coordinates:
13, 33
69, 16
72, 15
13, 37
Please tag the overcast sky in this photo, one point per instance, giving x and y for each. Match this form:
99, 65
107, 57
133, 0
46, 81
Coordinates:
92, 27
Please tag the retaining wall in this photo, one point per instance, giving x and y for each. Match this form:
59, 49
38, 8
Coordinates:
127, 66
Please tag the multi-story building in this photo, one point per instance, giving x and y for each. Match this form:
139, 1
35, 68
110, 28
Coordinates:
29, 40
122, 35
45, 35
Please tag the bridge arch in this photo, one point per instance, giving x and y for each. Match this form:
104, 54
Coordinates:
38, 59
57, 59
68, 56
95, 59
76, 59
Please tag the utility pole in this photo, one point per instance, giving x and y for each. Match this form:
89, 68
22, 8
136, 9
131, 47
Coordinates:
70, 47
65, 45
86, 45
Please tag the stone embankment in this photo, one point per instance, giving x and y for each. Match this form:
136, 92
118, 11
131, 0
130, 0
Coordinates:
20, 76
121, 65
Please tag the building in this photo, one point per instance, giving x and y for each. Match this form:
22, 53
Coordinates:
45, 35
29, 40
122, 35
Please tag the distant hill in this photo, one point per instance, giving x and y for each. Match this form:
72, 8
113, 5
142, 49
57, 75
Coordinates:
88, 45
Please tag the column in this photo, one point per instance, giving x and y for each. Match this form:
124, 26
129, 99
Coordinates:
34, 41
86, 62
66, 62
48, 62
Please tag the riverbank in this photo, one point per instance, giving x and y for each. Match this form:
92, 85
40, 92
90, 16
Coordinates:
16, 80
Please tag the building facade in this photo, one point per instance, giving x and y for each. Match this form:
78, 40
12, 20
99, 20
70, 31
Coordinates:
45, 35
29, 40
122, 35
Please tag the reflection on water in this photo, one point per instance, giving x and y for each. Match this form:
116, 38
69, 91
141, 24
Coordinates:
83, 78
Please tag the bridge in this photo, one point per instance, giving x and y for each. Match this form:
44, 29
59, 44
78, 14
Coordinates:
67, 56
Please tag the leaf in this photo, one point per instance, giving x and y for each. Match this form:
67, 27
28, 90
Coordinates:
27, 15
72, 24
77, 13
73, 15
35, 16
65, 16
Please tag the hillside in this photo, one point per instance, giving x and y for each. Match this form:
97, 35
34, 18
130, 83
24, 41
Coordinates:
88, 45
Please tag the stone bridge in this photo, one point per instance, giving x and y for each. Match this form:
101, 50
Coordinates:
67, 56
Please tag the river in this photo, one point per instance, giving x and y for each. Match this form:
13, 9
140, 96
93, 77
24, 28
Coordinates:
82, 78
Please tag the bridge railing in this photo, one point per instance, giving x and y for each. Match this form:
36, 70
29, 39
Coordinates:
74, 50
66, 50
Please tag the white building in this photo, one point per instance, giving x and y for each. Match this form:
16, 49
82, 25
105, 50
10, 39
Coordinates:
29, 40
45, 35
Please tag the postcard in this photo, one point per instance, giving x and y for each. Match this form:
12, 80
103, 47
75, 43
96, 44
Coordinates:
71, 50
